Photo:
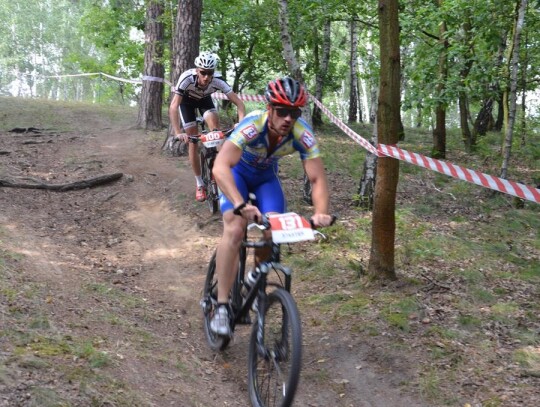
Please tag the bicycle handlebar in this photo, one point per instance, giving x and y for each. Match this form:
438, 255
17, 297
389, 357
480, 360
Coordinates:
265, 223
195, 138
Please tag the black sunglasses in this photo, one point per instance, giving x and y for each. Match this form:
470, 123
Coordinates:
206, 73
284, 112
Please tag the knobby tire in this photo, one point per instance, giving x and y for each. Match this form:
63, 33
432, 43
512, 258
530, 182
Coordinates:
211, 196
273, 380
216, 342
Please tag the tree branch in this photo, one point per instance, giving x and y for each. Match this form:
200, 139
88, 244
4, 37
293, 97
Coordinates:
88, 183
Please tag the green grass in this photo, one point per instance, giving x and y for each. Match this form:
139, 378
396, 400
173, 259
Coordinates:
57, 115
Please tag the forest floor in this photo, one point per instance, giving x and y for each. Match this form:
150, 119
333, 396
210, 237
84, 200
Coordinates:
100, 287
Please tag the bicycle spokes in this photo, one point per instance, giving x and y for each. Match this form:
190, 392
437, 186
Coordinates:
275, 353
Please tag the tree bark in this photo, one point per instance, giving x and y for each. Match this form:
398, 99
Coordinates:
381, 260
186, 42
482, 119
366, 189
353, 60
88, 183
439, 132
512, 93
187, 38
463, 102
151, 101
320, 77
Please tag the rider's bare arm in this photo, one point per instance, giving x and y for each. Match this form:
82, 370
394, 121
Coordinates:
233, 97
227, 158
174, 115
314, 169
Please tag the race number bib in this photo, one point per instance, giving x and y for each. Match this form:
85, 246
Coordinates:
213, 139
289, 228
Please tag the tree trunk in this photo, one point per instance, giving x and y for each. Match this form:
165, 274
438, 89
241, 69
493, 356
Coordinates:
353, 94
482, 119
187, 38
463, 103
373, 90
439, 132
320, 77
499, 122
466, 134
381, 260
369, 174
523, 126
296, 73
151, 100
512, 94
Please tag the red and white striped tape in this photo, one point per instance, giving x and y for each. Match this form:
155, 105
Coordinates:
456, 171
247, 98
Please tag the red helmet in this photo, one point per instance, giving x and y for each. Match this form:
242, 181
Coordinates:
286, 91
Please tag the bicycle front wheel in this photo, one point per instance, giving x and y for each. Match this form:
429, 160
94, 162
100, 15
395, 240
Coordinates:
209, 306
275, 358
211, 195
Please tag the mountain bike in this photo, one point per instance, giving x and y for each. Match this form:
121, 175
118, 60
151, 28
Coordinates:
207, 152
275, 347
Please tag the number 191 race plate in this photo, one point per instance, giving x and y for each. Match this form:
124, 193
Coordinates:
289, 228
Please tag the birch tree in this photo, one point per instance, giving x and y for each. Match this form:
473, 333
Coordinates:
354, 91
521, 6
321, 68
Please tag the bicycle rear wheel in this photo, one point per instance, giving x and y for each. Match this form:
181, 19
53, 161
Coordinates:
273, 374
209, 305
211, 194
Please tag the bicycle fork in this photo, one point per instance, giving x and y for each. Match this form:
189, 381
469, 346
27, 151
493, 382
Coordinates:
261, 308
212, 188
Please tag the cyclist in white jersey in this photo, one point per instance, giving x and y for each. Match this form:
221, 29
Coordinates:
193, 91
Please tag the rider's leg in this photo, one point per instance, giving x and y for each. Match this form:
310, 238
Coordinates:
212, 119
189, 123
226, 269
227, 253
194, 158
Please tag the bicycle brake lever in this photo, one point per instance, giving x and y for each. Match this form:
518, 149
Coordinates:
256, 225
317, 233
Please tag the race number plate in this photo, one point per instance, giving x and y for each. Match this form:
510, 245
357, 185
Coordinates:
289, 228
213, 139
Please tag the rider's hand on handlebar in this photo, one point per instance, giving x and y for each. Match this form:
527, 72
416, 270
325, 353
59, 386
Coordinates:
322, 220
251, 213
182, 137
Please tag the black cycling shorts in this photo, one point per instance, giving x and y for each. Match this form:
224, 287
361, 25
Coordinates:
188, 110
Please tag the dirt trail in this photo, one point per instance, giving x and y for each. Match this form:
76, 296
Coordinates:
122, 265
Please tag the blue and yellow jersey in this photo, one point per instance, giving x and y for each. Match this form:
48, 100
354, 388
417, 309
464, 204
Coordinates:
251, 136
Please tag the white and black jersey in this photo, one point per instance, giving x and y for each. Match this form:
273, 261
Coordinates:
188, 87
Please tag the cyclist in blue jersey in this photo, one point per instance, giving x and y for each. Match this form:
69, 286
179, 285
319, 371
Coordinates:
193, 91
248, 163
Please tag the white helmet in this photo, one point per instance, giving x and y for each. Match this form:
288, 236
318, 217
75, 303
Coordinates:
206, 60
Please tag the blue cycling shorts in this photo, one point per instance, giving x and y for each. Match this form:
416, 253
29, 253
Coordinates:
265, 184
